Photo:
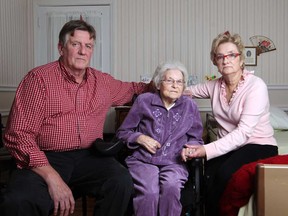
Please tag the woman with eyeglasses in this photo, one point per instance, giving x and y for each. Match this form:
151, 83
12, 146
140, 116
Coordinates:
240, 105
156, 129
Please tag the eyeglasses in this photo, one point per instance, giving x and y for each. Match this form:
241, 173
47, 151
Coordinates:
171, 82
230, 57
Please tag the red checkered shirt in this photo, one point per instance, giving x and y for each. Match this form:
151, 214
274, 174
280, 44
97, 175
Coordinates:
52, 112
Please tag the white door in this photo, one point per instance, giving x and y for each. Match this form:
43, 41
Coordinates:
49, 21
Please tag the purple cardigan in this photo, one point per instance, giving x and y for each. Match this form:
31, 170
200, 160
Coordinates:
172, 129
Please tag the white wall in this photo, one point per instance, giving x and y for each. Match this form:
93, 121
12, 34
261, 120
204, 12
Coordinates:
150, 31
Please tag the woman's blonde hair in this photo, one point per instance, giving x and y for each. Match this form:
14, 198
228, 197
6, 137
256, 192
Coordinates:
224, 38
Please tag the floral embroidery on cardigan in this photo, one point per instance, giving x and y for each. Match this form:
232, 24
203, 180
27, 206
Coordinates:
177, 116
157, 113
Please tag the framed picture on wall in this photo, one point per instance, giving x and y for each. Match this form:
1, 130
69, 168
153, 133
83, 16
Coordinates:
250, 56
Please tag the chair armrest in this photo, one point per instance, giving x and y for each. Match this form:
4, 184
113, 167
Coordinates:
108, 148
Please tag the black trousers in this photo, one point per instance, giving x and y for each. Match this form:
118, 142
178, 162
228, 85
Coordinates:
218, 171
84, 171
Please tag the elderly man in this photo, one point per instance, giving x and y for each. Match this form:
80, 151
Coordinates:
58, 111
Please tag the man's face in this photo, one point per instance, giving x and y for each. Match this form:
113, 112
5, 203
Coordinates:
77, 51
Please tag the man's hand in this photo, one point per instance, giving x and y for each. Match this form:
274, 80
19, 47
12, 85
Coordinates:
59, 191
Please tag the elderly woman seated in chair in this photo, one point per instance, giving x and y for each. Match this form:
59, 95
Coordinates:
157, 129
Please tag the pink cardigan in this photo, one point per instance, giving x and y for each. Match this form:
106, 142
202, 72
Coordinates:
245, 119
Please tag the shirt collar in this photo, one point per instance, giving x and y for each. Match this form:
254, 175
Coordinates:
244, 76
68, 76
157, 100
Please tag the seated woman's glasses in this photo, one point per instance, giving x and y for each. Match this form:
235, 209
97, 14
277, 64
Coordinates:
171, 82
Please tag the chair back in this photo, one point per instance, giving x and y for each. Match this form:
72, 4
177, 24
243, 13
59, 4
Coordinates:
1, 128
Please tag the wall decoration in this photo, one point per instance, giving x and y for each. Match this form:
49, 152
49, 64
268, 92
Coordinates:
250, 56
263, 44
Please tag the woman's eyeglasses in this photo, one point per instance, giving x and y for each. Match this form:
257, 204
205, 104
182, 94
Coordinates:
230, 57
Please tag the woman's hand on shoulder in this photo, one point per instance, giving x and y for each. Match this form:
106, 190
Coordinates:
192, 151
148, 143
187, 92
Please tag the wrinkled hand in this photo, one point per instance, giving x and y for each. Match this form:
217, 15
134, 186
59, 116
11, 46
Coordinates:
61, 194
148, 143
192, 151
187, 92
